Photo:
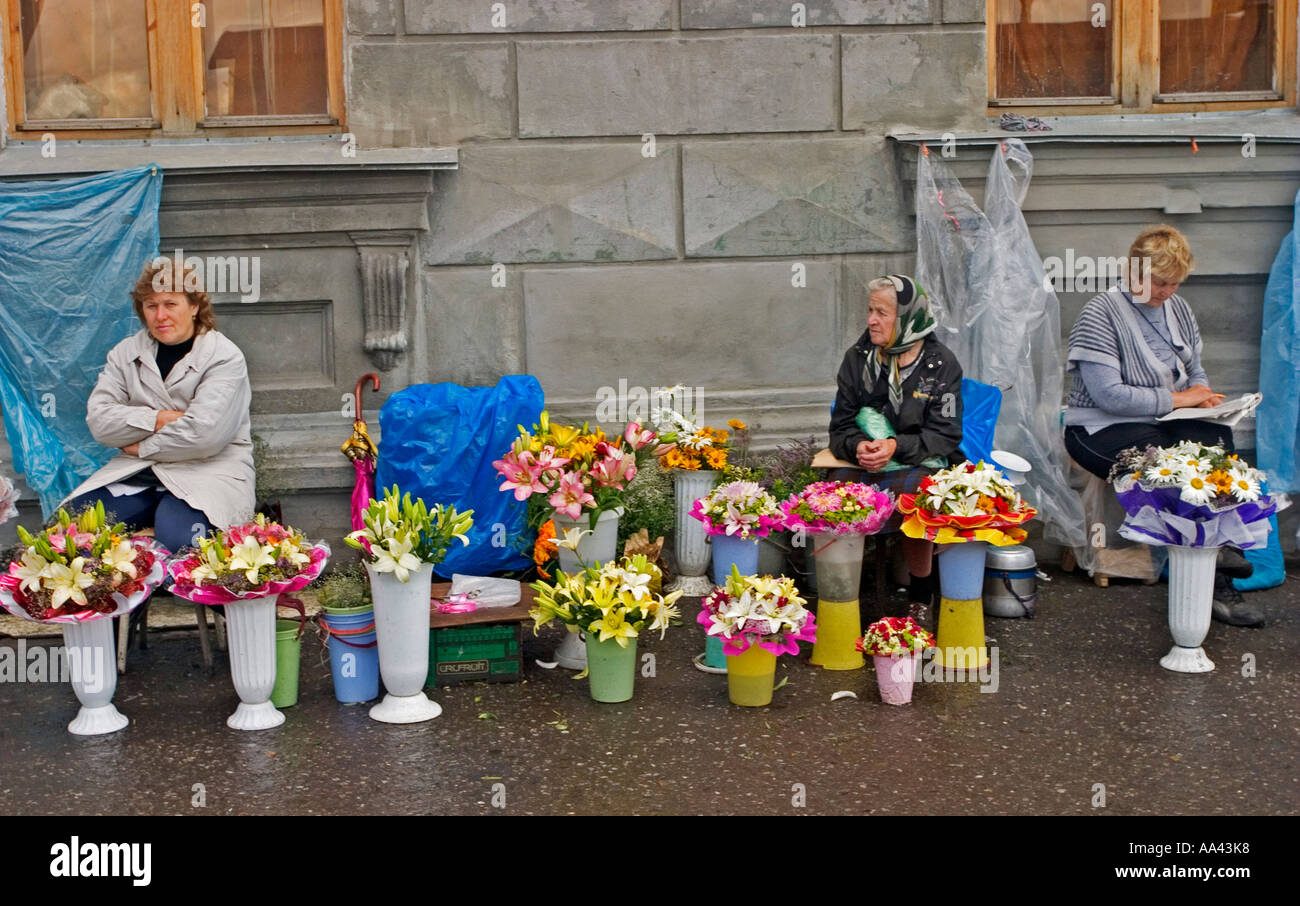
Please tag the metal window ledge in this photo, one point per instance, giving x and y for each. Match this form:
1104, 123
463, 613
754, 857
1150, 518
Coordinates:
28, 158
1280, 126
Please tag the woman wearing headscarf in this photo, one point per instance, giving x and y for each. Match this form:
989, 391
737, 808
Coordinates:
898, 410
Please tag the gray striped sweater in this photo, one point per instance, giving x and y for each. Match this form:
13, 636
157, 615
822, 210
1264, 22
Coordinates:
1108, 332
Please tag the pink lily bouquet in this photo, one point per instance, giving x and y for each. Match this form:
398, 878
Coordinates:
82, 569
740, 509
838, 507
574, 470
758, 610
255, 560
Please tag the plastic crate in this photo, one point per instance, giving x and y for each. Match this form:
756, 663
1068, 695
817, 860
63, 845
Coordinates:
462, 654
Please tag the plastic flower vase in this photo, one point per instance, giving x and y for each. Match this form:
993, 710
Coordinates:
751, 676
960, 639
402, 627
600, 546
288, 658
93, 664
961, 569
611, 669
729, 550
1191, 598
895, 677
354, 653
839, 620
691, 544
250, 630
714, 657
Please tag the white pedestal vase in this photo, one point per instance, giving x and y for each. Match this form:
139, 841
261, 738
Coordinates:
600, 546
1191, 598
250, 633
92, 661
692, 542
402, 627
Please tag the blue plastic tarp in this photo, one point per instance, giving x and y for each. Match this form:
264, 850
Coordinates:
70, 251
438, 441
980, 405
1277, 419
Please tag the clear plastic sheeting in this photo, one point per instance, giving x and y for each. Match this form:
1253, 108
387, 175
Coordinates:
70, 251
986, 283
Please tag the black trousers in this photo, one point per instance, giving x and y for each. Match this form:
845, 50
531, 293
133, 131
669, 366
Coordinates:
1097, 452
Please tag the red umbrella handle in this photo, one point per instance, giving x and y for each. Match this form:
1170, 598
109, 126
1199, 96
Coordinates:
356, 391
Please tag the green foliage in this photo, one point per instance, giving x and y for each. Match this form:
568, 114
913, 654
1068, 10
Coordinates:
345, 588
649, 504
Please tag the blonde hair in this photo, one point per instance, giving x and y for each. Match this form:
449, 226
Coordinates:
153, 275
1167, 250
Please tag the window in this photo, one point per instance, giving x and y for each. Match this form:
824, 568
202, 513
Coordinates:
149, 68
1141, 56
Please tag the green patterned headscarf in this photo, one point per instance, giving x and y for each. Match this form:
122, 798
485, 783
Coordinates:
914, 322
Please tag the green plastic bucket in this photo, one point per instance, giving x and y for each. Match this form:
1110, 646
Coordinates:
611, 669
288, 655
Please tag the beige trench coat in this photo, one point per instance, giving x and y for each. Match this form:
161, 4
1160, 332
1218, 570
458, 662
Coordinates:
205, 457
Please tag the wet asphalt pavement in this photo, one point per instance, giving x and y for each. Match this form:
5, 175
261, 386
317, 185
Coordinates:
1081, 700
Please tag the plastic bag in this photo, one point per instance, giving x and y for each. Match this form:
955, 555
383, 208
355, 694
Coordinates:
438, 441
70, 251
981, 404
1277, 420
986, 282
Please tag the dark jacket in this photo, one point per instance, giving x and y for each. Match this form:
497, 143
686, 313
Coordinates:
929, 422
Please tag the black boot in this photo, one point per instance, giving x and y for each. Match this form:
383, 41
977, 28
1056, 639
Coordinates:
920, 598
1233, 564
1230, 607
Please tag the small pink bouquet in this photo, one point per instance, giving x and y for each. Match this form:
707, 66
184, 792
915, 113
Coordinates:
739, 508
758, 610
256, 560
838, 507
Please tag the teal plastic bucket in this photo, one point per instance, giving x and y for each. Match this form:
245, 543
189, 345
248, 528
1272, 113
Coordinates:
354, 655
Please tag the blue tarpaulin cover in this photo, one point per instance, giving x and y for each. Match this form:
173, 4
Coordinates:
438, 441
980, 405
70, 251
1277, 419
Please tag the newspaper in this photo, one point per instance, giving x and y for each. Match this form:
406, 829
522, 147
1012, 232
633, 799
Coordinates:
1228, 412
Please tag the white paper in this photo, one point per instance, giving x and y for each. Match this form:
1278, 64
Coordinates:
1227, 413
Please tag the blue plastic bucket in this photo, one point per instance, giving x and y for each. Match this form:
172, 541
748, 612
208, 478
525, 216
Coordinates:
354, 655
961, 570
728, 549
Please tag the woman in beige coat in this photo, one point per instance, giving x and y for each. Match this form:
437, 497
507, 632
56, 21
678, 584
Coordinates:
174, 398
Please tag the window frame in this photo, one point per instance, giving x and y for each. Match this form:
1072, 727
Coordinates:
177, 86
1136, 70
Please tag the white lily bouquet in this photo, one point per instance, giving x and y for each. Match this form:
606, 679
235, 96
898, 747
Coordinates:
401, 534
259, 559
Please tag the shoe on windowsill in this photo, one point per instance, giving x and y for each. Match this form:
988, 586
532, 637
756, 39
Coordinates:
1230, 607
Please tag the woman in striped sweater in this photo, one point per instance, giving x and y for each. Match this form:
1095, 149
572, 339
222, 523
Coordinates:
1134, 355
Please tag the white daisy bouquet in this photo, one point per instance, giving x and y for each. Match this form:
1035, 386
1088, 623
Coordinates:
1192, 495
80, 569
255, 560
401, 535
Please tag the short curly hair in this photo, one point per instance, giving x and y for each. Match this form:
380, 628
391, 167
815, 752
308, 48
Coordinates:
1167, 249
159, 270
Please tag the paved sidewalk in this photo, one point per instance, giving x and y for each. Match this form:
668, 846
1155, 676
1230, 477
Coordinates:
1081, 701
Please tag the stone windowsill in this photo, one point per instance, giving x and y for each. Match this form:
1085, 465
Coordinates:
1277, 126
24, 158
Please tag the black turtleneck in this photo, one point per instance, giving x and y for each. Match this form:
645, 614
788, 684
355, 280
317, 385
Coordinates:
168, 356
